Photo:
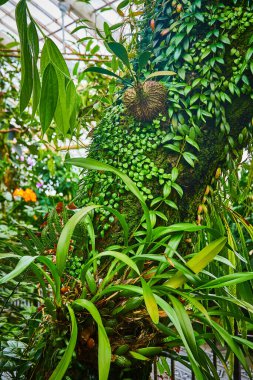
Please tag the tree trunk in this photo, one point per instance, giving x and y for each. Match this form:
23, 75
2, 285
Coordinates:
209, 101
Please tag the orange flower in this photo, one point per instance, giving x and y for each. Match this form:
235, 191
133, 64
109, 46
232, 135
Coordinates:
18, 193
29, 196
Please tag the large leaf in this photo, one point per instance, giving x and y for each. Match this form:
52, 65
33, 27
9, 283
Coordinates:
143, 60
231, 343
150, 302
199, 261
64, 363
49, 97
57, 281
104, 348
26, 57
178, 227
34, 43
230, 279
65, 237
22, 265
120, 51
53, 55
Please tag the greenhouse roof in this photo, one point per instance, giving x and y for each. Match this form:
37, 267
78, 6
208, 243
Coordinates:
58, 19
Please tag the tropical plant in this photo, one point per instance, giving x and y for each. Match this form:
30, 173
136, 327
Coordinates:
135, 254
156, 288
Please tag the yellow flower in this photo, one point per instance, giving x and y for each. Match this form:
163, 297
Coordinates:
18, 193
29, 196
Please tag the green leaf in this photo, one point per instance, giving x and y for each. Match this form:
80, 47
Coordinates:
104, 348
26, 57
36, 88
225, 39
174, 174
188, 159
178, 227
22, 265
33, 40
160, 73
2, 2
61, 116
65, 237
89, 163
118, 255
178, 189
230, 279
101, 70
49, 97
65, 361
143, 60
171, 204
199, 261
120, 51
231, 343
138, 356
55, 57
185, 323
122, 5
150, 302
188, 58
192, 142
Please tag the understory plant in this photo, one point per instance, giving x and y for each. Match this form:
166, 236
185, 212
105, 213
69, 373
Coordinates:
92, 296
152, 260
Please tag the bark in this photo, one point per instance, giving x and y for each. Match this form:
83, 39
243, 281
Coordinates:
193, 180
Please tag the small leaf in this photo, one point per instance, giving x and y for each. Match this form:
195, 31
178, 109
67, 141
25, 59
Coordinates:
174, 174
101, 70
160, 73
138, 356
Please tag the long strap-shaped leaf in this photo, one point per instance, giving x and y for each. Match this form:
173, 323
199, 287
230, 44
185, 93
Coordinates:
118, 255
62, 366
67, 232
173, 317
90, 163
199, 261
104, 348
22, 265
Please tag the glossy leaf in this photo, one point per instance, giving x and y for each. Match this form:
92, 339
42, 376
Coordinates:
49, 97
65, 237
65, 361
104, 348
199, 261
120, 51
143, 60
101, 70
26, 57
150, 302
22, 265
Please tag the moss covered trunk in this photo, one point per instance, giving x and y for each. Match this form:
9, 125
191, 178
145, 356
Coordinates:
174, 158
